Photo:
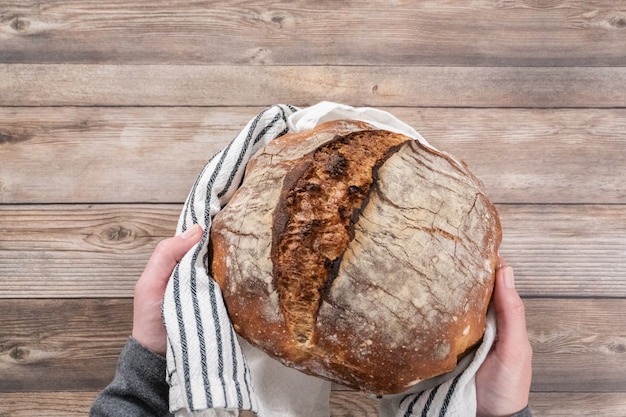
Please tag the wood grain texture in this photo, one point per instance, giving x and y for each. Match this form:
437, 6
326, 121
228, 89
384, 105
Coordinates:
68, 251
109, 154
66, 345
73, 345
46, 404
578, 345
239, 85
556, 404
354, 32
73, 154
79, 251
567, 251
342, 404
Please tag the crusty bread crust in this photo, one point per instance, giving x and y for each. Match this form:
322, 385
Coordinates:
358, 255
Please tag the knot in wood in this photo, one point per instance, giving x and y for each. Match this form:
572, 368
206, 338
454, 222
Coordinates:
19, 354
618, 22
13, 137
617, 347
277, 20
118, 233
19, 24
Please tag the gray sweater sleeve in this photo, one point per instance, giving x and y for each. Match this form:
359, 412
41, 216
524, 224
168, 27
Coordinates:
523, 413
139, 387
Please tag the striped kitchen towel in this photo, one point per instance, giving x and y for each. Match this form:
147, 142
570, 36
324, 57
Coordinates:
212, 372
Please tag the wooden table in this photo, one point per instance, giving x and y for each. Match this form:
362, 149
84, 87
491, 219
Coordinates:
109, 109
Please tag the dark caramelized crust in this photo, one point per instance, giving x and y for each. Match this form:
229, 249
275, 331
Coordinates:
321, 199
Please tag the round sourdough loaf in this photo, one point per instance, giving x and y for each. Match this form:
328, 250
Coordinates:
358, 255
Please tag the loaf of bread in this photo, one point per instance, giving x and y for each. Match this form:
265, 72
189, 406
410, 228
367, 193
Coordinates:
358, 255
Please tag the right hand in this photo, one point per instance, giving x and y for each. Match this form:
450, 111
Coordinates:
503, 380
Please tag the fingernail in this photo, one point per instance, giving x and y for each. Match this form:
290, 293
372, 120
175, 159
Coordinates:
509, 277
191, 231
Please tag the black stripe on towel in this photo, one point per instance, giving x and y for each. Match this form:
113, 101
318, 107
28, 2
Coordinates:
241, 154
429, 401
409, 410
183, 339
446, 400
199, 324
233, 353
279, 116
190, 197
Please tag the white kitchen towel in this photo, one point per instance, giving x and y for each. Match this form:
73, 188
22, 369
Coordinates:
211, 371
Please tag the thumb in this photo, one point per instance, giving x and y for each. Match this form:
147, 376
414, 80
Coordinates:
170, 251
510, 314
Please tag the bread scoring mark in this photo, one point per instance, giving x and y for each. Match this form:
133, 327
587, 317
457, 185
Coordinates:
320, 202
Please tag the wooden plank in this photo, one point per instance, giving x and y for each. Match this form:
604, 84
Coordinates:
72, 251
343, 404
577, 344
78, 251
553, 404
72, 345
70, 154
231, 85
534, 156
46, 404
109, 154
66, 345
570, 251
354, 32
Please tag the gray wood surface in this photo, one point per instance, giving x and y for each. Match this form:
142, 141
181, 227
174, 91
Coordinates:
80, 250
353, 32
242, 85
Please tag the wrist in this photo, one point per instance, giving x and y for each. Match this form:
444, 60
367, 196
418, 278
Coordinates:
524, 412
150, 343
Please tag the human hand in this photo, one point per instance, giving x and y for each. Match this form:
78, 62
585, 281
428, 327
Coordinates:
148, 327
503, 380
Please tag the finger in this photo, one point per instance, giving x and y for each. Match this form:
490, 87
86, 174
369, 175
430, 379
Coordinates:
510, 314
169, 252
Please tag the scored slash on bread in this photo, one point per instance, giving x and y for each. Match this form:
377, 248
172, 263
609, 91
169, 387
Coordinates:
314, 219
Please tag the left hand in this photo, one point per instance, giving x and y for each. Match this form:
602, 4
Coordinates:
148, 327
